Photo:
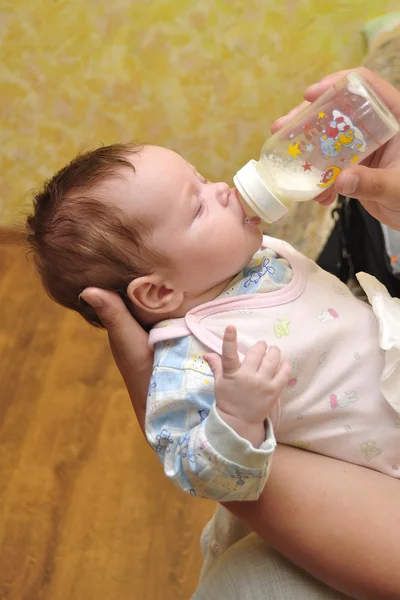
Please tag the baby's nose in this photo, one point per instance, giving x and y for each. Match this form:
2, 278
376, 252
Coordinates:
222, 192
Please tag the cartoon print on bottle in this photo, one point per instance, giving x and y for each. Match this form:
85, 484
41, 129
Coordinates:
329, 176
328, 315
258, 273
340, 134
370, 450
342, 399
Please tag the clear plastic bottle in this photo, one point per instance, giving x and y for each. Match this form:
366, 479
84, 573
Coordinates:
342, 127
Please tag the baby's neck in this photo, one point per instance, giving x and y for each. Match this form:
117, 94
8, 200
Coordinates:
207, 296
188, 304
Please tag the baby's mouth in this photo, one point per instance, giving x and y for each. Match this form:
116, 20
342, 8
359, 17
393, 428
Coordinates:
246, 219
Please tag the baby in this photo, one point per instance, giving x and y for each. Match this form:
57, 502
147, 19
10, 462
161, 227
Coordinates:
186, 259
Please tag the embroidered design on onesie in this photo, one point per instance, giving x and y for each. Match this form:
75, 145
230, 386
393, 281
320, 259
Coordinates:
341, 290
300, 444
342, 399
323, 361
152, 385
281, 328
245, 311
294, 374
328, 315
370, 450
164, 439
197, 362
203, 414
241, 477
256, 274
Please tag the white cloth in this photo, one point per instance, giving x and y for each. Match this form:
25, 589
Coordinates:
387, 312
249, 570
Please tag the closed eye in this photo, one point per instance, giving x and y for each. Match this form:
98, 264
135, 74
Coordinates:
199, 209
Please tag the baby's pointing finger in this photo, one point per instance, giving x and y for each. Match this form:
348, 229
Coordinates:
230, 358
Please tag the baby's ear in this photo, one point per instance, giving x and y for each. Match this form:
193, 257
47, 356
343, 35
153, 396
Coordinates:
150, 293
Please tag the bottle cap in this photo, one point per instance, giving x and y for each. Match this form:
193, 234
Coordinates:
257, 194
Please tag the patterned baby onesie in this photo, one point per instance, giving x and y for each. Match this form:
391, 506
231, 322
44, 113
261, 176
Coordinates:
332, 404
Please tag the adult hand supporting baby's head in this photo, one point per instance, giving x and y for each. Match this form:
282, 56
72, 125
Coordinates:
128, 343
375, 183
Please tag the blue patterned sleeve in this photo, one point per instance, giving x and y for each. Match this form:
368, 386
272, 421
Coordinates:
200, 453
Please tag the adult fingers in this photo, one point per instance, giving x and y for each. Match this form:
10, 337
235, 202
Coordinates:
129, 345
389, 94
315, 90
286, 118
128, 337
327, 197
365, 183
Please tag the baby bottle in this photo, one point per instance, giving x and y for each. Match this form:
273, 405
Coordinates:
341, 128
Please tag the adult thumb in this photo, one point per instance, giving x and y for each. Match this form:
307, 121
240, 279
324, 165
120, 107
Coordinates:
365, 183
215, 363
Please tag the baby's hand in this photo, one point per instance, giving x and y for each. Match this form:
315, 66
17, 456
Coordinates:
246, 393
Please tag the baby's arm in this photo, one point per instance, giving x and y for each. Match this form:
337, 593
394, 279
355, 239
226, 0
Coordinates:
208, 455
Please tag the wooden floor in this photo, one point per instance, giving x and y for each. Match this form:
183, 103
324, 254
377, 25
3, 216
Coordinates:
85, 511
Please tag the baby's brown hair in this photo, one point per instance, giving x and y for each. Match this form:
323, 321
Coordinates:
79, 239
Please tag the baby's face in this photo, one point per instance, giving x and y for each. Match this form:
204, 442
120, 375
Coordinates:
197, 225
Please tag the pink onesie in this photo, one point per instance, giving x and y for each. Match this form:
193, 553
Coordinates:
333, 404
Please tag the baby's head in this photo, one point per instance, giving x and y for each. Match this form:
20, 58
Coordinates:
142, 222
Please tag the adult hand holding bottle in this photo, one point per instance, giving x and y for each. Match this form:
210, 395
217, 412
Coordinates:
376, 181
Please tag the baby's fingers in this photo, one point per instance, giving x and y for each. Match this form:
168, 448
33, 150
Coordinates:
255, 355
282, 376
230, 357
215, 364
271, 362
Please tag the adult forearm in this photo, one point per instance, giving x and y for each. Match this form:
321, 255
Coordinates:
338, 521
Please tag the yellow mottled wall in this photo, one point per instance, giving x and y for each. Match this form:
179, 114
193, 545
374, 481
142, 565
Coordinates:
205, 78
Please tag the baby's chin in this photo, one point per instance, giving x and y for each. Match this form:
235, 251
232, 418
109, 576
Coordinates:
258, 236
255, 244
